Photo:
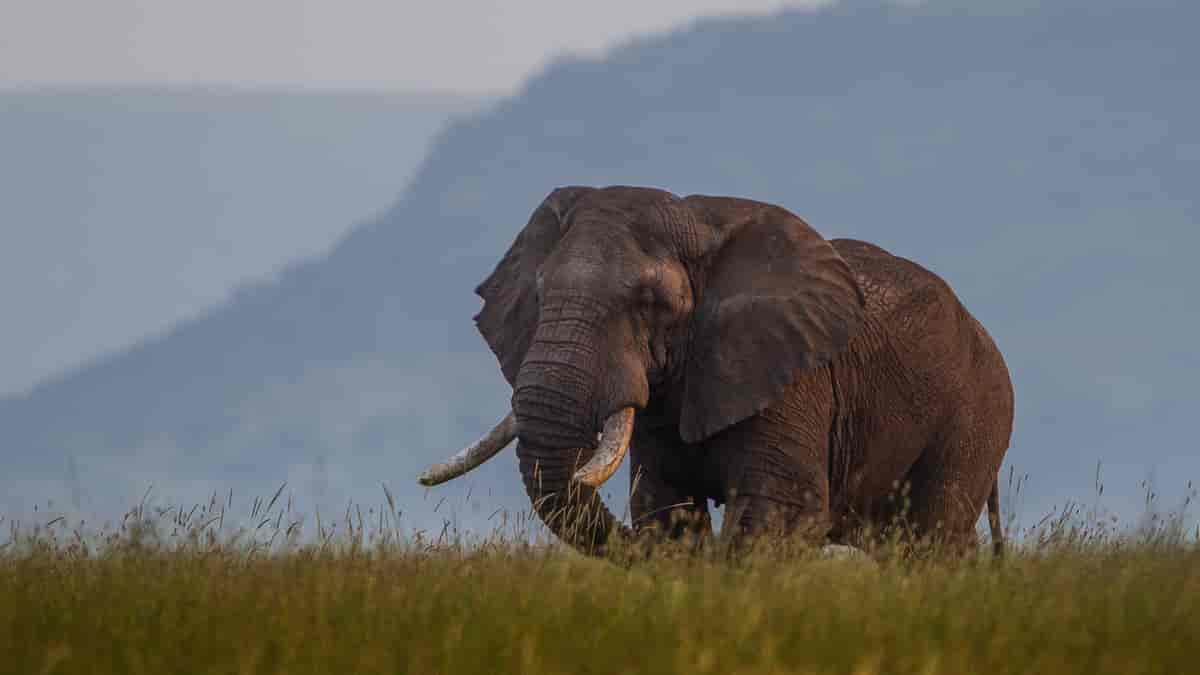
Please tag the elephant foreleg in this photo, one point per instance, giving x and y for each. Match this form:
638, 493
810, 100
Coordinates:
658, 506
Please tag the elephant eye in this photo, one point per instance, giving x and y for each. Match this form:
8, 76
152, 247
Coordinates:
647, 296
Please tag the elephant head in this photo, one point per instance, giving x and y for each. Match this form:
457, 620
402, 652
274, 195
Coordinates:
614, 299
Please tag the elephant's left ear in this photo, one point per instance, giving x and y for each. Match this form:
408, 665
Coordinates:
777, 299
510, 310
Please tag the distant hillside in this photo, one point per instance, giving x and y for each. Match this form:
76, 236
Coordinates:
1044, 161
123, 211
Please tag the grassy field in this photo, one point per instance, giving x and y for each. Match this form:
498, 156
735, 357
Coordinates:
1070, 602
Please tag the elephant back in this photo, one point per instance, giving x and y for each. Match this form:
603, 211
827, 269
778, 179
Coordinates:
888, 281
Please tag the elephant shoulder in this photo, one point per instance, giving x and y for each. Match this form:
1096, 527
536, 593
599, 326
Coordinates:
888, 281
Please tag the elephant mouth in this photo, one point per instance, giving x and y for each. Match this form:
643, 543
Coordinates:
610, 451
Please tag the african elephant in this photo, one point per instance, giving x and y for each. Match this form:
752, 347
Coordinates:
737, 356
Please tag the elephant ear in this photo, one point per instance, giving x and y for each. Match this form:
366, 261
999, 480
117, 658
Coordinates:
510, 305
776, 299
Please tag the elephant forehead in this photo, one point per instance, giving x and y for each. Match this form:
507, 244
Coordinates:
645, 209
595, 266
595, 241
625, 238
625, 196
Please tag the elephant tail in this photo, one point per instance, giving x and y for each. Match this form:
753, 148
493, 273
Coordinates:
993, 507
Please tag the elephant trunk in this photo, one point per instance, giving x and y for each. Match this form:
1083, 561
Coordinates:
559, 408
572, 510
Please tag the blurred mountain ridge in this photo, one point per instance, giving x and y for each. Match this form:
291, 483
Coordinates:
201, 189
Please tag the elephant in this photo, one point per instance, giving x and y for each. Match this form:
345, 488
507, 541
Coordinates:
737, 356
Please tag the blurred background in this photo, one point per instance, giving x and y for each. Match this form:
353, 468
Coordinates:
238, 242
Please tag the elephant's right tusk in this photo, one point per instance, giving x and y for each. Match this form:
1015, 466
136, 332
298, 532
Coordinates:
473, 455
614, 443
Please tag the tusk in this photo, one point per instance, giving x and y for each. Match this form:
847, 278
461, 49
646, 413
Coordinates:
614, 443
473, 455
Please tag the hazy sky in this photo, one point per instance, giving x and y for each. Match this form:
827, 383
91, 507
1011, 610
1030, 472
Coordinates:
476, 45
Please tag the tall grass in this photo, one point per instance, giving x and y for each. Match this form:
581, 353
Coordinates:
178, 591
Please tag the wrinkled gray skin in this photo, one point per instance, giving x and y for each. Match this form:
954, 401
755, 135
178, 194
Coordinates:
797, 380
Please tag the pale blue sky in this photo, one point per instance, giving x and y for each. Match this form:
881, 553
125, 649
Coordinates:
455, 45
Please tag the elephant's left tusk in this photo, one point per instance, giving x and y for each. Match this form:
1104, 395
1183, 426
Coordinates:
614, 443
473, 455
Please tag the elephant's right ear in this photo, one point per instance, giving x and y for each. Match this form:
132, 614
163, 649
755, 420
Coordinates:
510, 305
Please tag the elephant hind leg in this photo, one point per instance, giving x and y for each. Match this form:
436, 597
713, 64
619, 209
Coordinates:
774, 472
949, 486
772, 491
755, 515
